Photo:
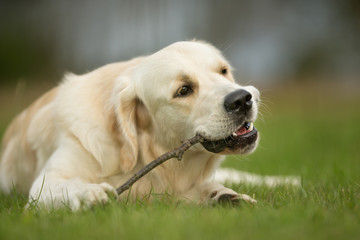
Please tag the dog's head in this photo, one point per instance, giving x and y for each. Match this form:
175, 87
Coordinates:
187, 88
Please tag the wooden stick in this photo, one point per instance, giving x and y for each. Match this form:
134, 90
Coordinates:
176, 153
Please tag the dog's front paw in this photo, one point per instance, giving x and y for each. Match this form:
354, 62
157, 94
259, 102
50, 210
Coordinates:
73, 193
92, 194
228, 196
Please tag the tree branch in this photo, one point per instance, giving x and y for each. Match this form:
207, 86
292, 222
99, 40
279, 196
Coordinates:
176, 153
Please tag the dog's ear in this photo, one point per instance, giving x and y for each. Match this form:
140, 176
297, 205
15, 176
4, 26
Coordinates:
126, 102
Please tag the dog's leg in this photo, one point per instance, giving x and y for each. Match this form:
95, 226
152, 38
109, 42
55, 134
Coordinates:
228, 175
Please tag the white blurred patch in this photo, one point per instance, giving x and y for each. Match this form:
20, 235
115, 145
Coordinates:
228, 175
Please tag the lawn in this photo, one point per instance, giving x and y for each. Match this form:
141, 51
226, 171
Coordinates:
310, 131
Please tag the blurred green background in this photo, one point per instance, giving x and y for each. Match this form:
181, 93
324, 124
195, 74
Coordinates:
268, 42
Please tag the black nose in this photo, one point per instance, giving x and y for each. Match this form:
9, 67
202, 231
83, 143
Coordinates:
238, 101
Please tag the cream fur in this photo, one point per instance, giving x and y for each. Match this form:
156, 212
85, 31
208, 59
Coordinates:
86, 137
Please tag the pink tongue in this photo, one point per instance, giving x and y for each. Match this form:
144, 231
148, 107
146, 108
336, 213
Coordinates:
241, 131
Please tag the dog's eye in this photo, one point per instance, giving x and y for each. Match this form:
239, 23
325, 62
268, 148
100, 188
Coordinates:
224, 71
183, 91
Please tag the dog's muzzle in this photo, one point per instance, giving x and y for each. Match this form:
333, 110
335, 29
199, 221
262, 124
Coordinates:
237, 104
240, 139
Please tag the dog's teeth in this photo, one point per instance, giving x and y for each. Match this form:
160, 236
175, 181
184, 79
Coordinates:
234, 134
251, 127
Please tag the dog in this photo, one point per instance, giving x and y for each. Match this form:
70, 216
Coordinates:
84, 138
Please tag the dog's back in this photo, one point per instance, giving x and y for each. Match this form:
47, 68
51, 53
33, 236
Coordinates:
19, 161
32, 136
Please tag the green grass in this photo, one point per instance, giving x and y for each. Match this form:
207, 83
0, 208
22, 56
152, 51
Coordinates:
310, 133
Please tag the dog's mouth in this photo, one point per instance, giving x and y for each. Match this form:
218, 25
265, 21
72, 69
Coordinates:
241, 139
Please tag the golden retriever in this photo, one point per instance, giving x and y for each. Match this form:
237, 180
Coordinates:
81, 140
